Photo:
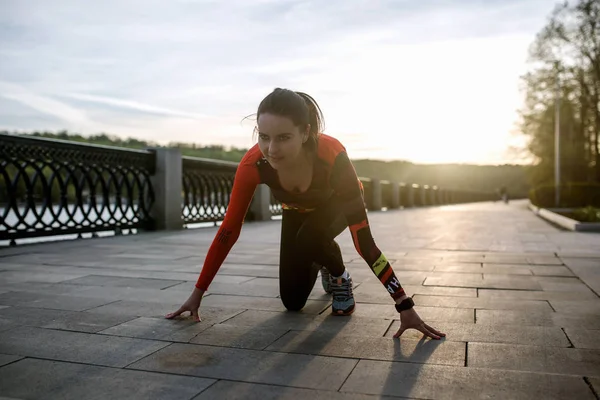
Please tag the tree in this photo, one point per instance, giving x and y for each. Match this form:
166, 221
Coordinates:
566, 60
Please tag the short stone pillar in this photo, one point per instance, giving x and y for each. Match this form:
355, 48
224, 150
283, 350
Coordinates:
261, 203
167, 184
376, 204
395, 195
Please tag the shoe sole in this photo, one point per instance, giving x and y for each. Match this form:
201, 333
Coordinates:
343, 314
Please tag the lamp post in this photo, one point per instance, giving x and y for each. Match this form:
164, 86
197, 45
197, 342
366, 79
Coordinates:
557, 140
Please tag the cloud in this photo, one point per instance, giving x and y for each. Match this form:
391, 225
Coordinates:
134, 105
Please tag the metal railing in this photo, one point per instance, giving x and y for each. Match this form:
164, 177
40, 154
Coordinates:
53, 187
207, 188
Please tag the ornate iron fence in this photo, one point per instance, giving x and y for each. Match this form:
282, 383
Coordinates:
206, 188
55, 187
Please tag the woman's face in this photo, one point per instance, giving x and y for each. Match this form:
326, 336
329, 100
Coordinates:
279, 140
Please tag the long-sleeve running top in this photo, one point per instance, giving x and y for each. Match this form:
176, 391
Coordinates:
333, 175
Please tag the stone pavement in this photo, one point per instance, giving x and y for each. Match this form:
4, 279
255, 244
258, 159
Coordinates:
517, 297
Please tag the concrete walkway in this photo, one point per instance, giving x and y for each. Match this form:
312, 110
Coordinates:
517, 297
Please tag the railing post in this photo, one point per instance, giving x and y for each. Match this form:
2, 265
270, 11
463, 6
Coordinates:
167, 184
376, 204
261, 202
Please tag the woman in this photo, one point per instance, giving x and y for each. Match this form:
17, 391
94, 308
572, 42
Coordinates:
311, 175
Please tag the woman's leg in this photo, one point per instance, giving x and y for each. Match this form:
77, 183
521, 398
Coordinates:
297, 272
307, 242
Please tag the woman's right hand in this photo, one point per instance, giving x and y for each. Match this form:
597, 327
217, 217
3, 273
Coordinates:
192, 304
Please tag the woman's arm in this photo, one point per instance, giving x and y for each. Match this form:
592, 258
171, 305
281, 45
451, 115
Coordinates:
347, 186
244, 184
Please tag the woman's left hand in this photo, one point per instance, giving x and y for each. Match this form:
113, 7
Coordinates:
409, 319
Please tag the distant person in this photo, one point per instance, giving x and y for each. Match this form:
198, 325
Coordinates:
504, 194
311, 175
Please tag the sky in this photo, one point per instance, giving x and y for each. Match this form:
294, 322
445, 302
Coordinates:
431, 81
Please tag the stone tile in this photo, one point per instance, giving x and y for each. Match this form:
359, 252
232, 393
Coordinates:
584, 338
581, 307
6, 324
557, 270
535, 359
480, 303
537, 318
85, 322
464, 332
426, 313
595, 382
8, 277
75, 346
274, 319
253, 391
138, 308
375, 348
460, 383
296, 370
65, 302
560, 284
477, 268
544, 261
60, 380
535, 295
490, 281
261, 303
180, 329
243, 337
101, 280
7, 359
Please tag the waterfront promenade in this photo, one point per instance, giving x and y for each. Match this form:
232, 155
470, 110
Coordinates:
517, 297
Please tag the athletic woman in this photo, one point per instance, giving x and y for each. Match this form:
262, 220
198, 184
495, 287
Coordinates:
311, 175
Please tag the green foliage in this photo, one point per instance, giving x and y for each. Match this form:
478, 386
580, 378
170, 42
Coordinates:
572, 195
566, 66
453, 176
588, 214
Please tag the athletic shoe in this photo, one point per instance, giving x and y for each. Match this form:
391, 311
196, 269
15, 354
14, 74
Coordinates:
326, 280
343, 298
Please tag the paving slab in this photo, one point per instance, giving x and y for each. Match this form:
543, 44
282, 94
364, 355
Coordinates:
239, 336
254, 391
45, 379
582, 362
517, 334
536, 295
425, 381
8, 358
584, 338
537, 318
481, 303
374, 348
75, 346
180, 329
100, 280
298, 370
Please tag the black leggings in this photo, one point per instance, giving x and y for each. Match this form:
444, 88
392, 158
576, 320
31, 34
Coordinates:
307, 243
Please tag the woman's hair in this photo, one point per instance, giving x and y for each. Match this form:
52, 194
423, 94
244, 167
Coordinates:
301, 108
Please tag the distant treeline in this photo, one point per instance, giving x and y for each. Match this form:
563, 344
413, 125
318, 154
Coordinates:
454, 176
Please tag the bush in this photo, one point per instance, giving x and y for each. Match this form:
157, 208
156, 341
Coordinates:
588, 214
572, 195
